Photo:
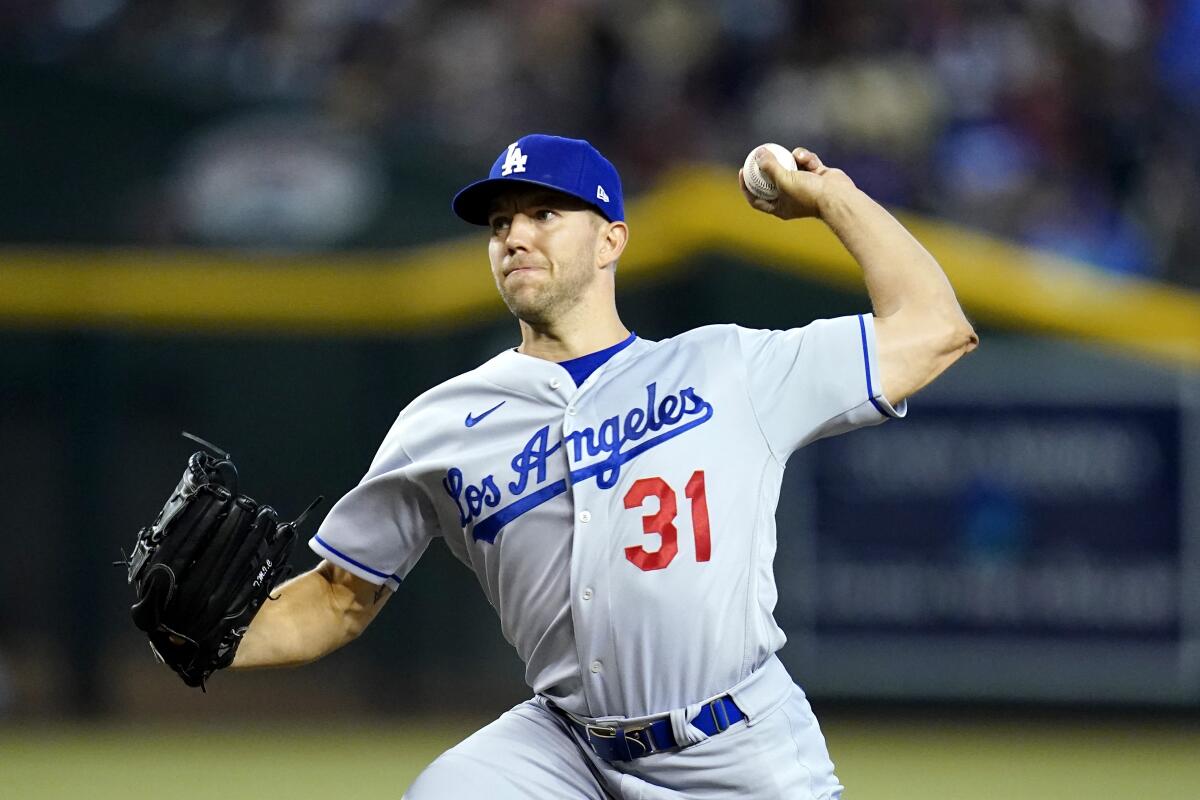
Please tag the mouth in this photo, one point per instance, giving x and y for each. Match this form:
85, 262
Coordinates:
520, 269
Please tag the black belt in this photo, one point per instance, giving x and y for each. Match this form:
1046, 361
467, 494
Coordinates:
625, 743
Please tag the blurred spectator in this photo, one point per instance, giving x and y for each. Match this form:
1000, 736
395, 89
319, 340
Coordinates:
1069, 124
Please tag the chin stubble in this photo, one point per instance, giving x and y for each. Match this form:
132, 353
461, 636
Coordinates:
550, 299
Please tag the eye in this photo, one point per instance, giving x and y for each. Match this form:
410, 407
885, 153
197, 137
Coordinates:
499, 224
544, 214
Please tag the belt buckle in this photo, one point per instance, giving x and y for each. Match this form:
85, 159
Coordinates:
603, 739
602, 731
643, 737
614, 744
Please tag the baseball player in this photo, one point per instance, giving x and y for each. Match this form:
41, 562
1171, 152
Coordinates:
616, 496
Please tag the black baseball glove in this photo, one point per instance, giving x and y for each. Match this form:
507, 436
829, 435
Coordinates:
206, 566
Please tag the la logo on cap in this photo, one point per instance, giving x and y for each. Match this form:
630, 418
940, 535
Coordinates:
515, 160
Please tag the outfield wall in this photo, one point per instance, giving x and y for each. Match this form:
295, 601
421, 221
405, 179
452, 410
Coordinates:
1030, 532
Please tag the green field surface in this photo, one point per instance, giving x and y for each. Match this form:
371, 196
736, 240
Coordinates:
887, 760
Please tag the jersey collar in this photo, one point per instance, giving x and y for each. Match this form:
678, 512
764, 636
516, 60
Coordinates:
544, 379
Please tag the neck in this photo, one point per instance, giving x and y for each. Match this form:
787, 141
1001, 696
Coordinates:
572, 336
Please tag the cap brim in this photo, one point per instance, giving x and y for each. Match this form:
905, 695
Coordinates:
473, 203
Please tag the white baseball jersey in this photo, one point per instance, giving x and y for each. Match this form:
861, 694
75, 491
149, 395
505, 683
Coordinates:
624, 529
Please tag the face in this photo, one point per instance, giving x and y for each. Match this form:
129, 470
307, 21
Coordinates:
543, 251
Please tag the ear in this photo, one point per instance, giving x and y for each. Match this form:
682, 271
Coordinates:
614, 236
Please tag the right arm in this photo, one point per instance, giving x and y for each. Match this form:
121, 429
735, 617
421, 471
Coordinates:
314, 614
919, 326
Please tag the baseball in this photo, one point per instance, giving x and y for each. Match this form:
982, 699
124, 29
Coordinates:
759, 184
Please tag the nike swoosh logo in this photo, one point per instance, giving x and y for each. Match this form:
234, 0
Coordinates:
471, 421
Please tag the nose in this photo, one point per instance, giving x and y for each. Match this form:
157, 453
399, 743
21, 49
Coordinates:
520, 232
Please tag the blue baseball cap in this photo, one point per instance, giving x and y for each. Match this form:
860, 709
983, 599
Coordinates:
571, 166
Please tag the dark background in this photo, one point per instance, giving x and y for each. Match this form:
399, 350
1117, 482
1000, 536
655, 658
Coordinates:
932, 570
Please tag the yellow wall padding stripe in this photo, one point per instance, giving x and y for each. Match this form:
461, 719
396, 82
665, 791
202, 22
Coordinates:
694, 210
997, 282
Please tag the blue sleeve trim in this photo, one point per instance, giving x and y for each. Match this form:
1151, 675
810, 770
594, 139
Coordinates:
862, 327
350, 560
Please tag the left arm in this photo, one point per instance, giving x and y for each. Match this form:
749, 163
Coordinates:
309, 617
919, 326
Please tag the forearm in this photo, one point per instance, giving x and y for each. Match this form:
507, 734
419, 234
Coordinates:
313, 615
899, 272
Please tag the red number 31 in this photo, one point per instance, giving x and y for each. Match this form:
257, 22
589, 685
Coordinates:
662, 521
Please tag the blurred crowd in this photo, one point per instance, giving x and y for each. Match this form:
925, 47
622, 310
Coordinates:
1072, 125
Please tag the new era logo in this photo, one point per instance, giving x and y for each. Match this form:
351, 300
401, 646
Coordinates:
601, 194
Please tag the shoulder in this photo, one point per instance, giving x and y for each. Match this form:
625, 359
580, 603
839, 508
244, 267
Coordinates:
431, 413
706, 336
430, 404
758, 346
726, 340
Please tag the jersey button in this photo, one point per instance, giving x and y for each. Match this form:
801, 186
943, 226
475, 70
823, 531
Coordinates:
554, 384
585, 516
587, 594
571, 410
596, 667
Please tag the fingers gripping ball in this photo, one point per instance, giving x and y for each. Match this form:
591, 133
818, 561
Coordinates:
757, 182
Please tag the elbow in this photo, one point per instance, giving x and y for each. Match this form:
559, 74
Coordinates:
358, 611
353, 619
915, 350
955, 339
949, 331
947, 342
353, 602
962, 337
353, 626
937, 330
943, 319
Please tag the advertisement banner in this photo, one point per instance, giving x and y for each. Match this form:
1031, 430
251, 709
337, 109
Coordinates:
1010, 529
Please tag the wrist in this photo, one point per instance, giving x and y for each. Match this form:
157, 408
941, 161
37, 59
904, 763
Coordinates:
836, 200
